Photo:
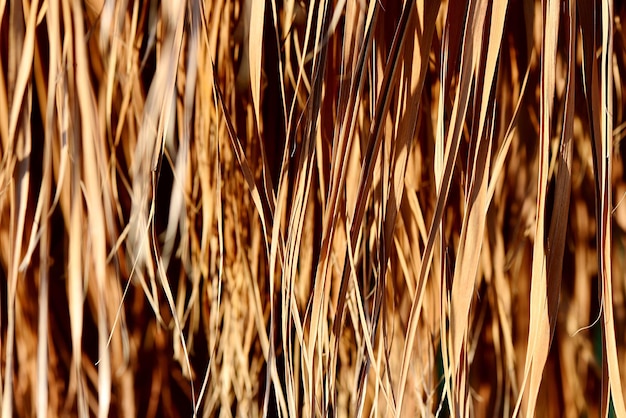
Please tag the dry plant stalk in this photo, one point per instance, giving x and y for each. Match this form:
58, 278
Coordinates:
287, 208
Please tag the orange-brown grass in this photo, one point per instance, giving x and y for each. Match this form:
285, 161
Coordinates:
287, 208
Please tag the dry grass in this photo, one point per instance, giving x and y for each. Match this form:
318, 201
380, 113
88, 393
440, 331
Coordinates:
351, 208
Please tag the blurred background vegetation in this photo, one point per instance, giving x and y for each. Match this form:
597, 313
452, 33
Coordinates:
288, 208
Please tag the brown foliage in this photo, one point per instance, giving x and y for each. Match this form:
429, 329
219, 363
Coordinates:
309, 208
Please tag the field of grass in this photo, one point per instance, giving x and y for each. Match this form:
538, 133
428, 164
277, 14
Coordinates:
291, 208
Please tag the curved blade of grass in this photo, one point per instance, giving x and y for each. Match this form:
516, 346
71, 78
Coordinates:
255, 51
604, 233
539, 331
452, 147
477, 203
558, 223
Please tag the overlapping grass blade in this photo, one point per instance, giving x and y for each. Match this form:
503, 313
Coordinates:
346, 208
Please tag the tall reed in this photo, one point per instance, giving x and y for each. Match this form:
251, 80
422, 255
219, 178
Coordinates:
350, 208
